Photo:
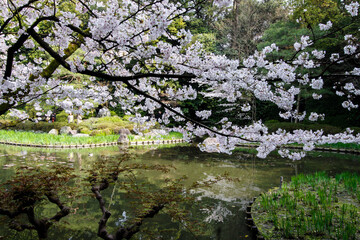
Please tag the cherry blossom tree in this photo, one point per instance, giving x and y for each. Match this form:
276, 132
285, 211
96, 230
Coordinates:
127, 46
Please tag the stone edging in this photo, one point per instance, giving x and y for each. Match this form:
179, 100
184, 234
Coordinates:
250, 221
140, 143
158, 142
343, 150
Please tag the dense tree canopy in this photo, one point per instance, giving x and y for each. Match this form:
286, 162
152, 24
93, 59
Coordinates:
133, 57
315, 11
141, 57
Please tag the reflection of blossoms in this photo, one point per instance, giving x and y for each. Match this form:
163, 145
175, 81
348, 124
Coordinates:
218, 214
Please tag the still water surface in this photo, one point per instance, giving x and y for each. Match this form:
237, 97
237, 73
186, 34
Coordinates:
221, 208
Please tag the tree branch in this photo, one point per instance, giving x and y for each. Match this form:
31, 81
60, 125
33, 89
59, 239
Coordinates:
17, 11
19, 43
136, 90
104, 76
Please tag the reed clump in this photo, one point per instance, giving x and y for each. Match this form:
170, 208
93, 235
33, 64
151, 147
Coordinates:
311, 207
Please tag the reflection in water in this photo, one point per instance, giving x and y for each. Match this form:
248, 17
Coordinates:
217, 214
122, 220
222, 207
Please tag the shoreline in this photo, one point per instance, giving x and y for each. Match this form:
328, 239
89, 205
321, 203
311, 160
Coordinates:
324, 149
160, 142
133, 143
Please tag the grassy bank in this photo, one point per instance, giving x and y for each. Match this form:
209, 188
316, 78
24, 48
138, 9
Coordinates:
311, 207
274, 125
92, 126
342, 146
49, 139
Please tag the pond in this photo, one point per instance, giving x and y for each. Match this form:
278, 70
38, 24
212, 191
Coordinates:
221, 208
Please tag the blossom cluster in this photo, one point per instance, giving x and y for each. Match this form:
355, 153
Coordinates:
129, 58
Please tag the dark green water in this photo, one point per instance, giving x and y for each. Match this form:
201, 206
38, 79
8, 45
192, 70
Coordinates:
221, 207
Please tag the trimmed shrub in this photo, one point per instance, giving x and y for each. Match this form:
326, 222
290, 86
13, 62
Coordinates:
113, 119
84, 130
61, 117
271, 122
105, 125
42, 126
103, 132
126, 117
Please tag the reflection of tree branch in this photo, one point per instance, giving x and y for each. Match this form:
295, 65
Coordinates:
122, 232
99, 185
21, 195
64, 211
128, 232
102, 232
20, 227
9, 213
40, 225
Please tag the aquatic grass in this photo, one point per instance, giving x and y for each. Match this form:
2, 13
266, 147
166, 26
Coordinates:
351, 181
50, 139
265, 202
311, 206
169, 136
